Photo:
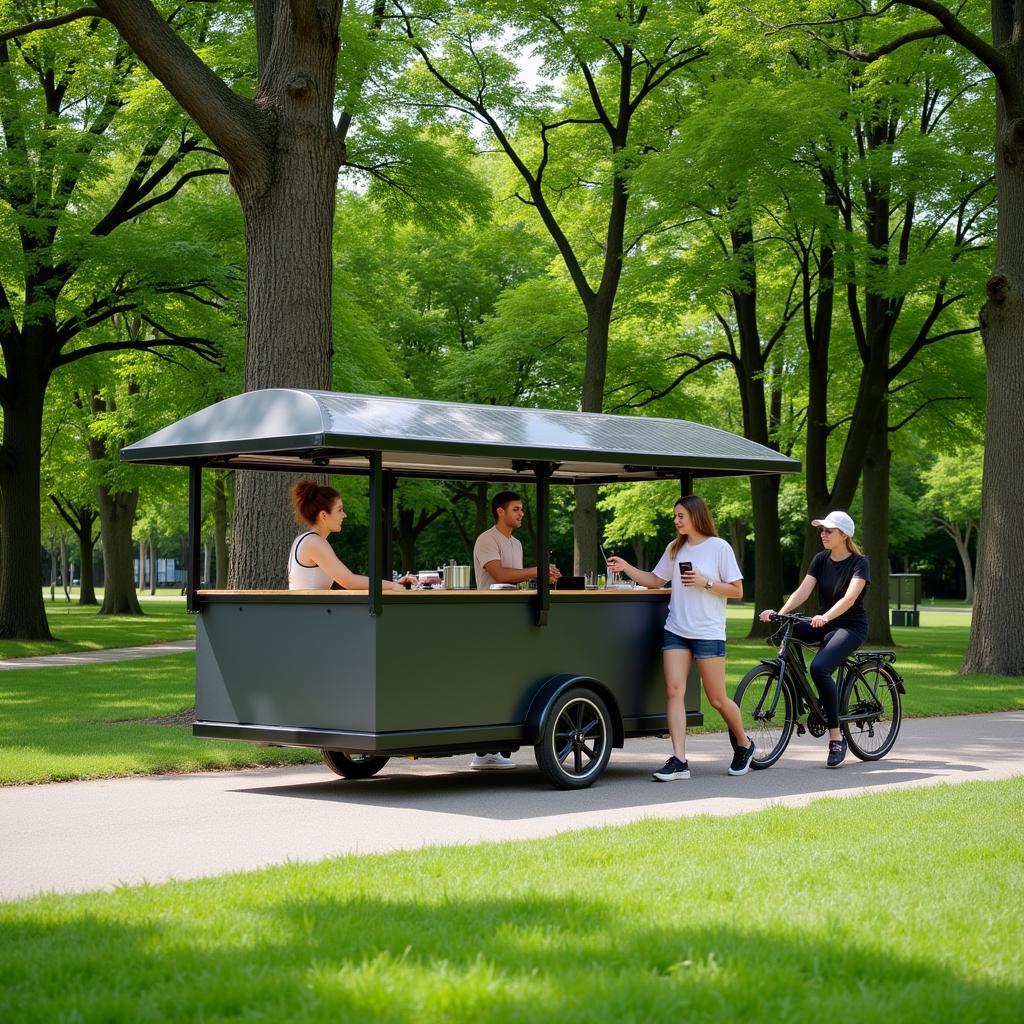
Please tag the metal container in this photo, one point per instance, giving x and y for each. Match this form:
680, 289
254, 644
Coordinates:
456, 577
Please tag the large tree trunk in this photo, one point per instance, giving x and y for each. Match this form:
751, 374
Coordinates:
22, 612
585, 553
875, 531
289, 223
997, 626
220, 528
117, 517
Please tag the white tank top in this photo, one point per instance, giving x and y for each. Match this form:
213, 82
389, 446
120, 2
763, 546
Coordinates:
305, 577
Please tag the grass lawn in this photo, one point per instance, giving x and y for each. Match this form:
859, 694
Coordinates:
82, 629
896, 907
59, 723
929, 658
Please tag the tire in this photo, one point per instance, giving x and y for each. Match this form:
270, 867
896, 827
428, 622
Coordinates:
353, 766
770, 727
576, 740
871, 693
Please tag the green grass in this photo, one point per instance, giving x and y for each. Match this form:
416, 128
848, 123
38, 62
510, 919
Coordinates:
58, 724
929, 658
897, 907
82, 629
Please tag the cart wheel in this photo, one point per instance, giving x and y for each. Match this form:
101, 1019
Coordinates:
353, 766
577, 740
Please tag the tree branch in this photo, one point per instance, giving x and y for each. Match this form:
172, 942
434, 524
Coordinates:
234, 124
63, 19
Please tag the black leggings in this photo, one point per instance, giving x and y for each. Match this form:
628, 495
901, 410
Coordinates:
836, 646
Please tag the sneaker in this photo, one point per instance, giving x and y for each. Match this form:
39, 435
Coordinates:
836, 753
741, 759
674, 769
491, 761
732, 740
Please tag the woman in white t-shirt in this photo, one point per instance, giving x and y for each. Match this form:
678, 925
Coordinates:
312, 563
704, 575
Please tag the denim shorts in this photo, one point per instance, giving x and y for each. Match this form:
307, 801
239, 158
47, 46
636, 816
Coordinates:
698, 648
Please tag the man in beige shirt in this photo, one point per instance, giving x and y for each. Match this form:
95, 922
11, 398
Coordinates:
498, 558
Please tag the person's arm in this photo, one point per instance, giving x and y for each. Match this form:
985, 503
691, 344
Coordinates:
796, 599
315, 549
641, 576
502, 574
844, 604
718, 587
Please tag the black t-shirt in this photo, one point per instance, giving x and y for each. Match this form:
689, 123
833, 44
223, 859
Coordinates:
833, 582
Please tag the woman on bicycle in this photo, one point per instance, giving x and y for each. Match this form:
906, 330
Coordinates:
704, 574
841, 573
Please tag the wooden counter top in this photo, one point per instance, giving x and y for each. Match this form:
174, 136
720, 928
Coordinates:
389, 594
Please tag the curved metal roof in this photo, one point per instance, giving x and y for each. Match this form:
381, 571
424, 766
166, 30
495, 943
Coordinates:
331, 431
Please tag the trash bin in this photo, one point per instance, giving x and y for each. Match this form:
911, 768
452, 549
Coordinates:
905, 594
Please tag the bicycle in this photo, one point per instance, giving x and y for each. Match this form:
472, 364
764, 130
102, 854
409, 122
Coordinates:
774, 696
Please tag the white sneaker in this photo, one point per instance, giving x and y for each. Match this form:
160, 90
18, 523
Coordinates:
491, 761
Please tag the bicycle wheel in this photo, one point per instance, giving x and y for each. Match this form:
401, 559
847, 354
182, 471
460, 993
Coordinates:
870, 711
768, 709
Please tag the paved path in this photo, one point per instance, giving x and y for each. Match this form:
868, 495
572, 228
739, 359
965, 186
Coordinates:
97, 657
94, 835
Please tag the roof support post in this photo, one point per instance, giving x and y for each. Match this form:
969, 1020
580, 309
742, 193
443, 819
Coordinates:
543, 472
685, 483
195, 527
377, 531
389, 522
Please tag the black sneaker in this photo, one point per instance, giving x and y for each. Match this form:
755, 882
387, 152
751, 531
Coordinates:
674, 769
732, 740
741, 759
836, 753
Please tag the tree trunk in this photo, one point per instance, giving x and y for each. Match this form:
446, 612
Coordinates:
22, 611
875, 531
962, 542
140, 582
585, 553
997, 626
220, 528
152, 566
86, 554
117, 517
65, 577
289, 222
764, 495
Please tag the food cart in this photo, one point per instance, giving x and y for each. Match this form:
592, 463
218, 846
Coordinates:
366, 676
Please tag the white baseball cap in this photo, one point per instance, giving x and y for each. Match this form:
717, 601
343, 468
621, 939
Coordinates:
836, 521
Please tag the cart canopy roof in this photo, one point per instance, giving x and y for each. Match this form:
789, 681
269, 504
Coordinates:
325, 431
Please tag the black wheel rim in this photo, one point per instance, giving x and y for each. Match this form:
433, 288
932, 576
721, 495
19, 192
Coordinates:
766, 716
872, 698
579, 738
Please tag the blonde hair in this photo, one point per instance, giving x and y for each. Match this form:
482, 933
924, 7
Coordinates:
701, 518
853, 547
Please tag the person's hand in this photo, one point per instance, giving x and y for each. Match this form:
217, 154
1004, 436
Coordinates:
554, 573
616, 564
819, 621
406, 581
766, 615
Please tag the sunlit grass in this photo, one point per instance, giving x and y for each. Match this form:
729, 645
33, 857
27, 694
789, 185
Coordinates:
79, 628
67, 723
929, 658
897, 907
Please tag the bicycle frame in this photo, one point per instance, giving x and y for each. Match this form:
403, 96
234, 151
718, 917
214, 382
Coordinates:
791, 665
